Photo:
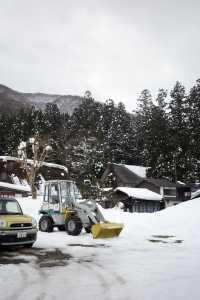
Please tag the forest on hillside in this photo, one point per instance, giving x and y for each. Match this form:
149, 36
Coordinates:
162, 134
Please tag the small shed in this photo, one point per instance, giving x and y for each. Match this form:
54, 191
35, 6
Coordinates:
138, 199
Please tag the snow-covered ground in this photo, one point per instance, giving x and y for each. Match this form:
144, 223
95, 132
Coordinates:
155, 257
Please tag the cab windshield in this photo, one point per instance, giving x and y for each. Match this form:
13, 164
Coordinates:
9, 207
69, 190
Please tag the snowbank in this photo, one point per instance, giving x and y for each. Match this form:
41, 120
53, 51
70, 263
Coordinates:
182, 221
155, 257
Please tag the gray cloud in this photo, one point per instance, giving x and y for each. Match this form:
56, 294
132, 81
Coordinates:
114, 48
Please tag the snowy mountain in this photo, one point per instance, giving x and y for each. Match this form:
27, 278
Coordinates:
11, 100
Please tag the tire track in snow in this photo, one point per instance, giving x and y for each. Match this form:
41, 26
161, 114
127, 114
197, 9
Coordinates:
29, 285
23, 282
105, 293
120, 280
114, 279
107, 282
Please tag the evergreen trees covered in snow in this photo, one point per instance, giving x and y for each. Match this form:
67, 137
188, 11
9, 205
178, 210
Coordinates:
162, 134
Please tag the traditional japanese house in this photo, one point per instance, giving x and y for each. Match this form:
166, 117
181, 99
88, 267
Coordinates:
172, 193
138, 199
123, 176
13, 177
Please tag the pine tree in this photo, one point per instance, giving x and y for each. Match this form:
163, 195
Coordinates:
159, 143
193, 126
143, 116
53, 131
83, 141
178, 131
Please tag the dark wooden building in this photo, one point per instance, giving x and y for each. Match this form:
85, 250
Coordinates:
122, 175
172, 193
138, 199
13, 176
119, 175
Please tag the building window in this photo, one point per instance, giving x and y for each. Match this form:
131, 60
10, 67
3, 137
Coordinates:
171, 192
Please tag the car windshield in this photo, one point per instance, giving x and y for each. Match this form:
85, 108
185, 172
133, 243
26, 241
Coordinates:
9, 207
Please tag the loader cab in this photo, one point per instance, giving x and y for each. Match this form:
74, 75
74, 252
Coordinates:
59, 195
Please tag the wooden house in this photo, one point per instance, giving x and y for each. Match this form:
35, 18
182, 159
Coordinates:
119, 175
122, 175
13, 177
172, 193
124, 179
138, 199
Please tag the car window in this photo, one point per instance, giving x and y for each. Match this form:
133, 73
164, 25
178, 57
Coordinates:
9, 207
12, 207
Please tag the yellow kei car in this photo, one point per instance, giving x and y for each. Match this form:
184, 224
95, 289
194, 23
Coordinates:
15, 227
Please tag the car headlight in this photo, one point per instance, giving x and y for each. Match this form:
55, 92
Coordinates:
34, 223
2, 224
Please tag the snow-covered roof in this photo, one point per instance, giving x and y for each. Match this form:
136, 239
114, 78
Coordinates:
15, 187
30, 161
195, 194
106, 189
140, 193
180, 182
138, 170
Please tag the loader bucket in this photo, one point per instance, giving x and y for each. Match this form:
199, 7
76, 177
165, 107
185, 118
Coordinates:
106, 230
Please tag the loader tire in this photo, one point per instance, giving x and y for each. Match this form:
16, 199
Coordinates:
73, 226
46, 224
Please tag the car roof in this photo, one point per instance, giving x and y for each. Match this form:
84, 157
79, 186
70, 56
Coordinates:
8, 198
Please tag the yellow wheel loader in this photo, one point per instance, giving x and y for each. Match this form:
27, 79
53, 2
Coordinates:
64, 208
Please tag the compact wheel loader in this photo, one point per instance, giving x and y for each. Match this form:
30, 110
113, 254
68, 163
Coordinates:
64, 208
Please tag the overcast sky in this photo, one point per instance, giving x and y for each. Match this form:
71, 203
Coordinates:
113, 48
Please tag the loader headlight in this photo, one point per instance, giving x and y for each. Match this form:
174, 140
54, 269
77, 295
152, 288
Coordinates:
2, 224
34, 223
